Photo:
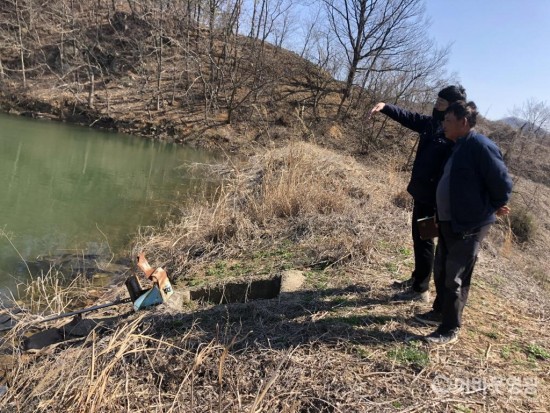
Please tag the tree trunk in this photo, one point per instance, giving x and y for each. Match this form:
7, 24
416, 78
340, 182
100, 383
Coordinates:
91, 91
21, 46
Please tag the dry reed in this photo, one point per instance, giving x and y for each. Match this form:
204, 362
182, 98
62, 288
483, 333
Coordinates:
338, 346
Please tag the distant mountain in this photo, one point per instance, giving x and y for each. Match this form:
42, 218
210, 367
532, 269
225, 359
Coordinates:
517, 123
513, 121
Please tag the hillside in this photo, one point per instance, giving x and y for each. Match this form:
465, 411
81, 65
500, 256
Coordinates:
519, 123
133, 70
338, 344
125, 74
526, 154
317, 193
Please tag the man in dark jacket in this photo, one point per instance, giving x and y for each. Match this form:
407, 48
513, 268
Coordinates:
474, 188
432, 153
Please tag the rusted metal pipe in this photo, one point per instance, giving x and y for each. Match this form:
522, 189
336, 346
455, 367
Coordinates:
86, 310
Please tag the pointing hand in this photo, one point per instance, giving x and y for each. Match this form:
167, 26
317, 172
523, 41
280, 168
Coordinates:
377, 108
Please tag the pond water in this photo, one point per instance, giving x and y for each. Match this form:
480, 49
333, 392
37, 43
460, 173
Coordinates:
68, 189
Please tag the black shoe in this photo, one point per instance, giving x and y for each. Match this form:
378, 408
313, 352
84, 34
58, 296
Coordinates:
411, 295
447, 337
403, 285
431, 318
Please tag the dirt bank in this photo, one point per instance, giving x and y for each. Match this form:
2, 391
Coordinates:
338, 343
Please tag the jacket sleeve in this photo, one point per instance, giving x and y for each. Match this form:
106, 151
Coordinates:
495, 174
411, 120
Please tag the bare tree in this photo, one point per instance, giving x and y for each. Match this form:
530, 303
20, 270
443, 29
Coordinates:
270, 17
523, 147
159, 48
283, 25
322, 63
372, 30
21, 27
535, 116
412, 80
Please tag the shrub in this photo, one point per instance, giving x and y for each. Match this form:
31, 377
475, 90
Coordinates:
403, 200
522, 224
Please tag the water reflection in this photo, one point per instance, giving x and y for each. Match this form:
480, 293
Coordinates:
71, 188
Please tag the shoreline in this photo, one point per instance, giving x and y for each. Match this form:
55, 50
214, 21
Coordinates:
339, 340
211, 135
340, 327
70, 264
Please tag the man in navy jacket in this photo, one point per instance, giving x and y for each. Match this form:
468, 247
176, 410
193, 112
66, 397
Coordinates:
474, 188
432, 153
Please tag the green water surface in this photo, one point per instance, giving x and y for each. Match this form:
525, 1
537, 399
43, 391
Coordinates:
73, 189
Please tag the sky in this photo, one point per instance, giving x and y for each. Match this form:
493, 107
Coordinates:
500, 49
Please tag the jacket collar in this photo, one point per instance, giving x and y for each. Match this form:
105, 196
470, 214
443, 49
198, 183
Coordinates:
465, 138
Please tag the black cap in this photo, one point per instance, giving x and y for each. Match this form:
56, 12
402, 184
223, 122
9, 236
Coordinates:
452, 93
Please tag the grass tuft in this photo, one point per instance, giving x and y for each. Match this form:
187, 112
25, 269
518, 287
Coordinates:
411, 353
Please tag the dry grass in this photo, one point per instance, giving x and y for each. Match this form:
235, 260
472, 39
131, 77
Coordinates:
328, 205
52, 293
339, 345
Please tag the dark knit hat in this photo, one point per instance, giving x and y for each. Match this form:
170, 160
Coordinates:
453, 93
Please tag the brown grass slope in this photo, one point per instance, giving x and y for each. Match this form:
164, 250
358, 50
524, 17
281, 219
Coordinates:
158, 77
338, 345
237, 94
319, 195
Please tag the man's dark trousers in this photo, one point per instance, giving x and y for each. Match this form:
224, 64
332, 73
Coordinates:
423, 249
455, 259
